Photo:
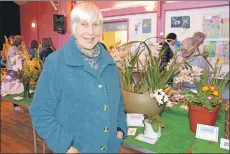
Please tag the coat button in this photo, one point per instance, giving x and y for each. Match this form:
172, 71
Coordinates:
102, 148
106, 129
105, 107
100, 86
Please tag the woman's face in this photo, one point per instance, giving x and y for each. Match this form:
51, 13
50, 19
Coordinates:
88, 34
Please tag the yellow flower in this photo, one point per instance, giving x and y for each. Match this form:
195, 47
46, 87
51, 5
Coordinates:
205, 88
216, 93
166, 90
212, 88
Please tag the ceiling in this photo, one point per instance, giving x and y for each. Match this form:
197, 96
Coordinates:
20, 2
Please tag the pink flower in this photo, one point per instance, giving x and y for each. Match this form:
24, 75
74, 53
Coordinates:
210, 98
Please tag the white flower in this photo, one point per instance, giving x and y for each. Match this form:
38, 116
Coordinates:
151, 95
194, 90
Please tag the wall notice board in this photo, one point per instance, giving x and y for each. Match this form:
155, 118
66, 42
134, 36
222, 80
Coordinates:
214, 22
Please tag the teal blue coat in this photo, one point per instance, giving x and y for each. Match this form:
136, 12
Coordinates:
75, 105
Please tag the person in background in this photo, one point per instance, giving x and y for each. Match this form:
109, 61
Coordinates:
46, 49
188, 52
168, 48
199, 38
78, 105
52, 44
8, 44
33, 48
14, 63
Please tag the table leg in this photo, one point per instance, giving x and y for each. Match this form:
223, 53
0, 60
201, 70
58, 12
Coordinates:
43, 146
35, 140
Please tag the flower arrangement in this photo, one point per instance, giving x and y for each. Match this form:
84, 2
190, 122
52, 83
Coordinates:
141, 70
209, 87
30, 71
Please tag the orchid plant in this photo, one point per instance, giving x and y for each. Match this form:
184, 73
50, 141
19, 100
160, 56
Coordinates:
141, 70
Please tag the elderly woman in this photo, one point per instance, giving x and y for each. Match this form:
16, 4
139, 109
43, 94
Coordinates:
78, 105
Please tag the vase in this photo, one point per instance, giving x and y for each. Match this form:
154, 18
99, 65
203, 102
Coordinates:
201, 115
26, 93
149, 132
141, 103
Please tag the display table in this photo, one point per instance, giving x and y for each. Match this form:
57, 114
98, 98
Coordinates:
176, 136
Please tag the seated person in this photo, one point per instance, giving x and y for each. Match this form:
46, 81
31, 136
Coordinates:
46, 49
188, 48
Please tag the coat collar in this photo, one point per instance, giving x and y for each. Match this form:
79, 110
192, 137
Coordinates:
73, 56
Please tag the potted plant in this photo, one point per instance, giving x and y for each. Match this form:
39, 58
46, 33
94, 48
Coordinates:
153, 125
205, 102
142, 77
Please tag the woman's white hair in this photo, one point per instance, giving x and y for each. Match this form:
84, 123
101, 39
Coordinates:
84, 11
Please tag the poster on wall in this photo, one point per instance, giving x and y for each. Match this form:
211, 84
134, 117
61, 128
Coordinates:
224, 27
212, 25
146, 26
185, 21
218, 52
176, 22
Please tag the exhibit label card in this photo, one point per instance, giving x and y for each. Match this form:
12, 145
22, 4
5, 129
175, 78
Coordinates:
135, 120
207, 132
224, 143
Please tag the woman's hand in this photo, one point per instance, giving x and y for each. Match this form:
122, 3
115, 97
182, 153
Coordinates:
120, 134
72, 150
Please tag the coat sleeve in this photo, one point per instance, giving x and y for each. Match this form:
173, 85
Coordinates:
43, 108
122, 117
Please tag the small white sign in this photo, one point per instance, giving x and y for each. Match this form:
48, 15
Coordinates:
146, 139
132, 131
18, 98
224, 143
135, 120
207, 132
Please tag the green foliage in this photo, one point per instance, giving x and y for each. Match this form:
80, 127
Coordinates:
155, 121
149, 72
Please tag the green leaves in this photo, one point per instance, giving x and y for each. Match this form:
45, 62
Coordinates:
155, 121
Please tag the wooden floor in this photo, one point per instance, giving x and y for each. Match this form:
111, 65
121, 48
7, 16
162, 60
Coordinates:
17, 134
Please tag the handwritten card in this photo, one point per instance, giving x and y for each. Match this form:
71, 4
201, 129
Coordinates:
207, 132
146, 139
135, 120
224, 143
132, 131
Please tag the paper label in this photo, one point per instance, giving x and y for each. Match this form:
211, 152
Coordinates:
146, 139
135, 120
18, 98
132, 131
207, 132
224, 143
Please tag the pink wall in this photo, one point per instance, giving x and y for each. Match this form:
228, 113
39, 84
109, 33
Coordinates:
42, 14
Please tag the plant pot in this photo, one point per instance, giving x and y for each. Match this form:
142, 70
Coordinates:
201, 115
141, 103
149, 131
26, 93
